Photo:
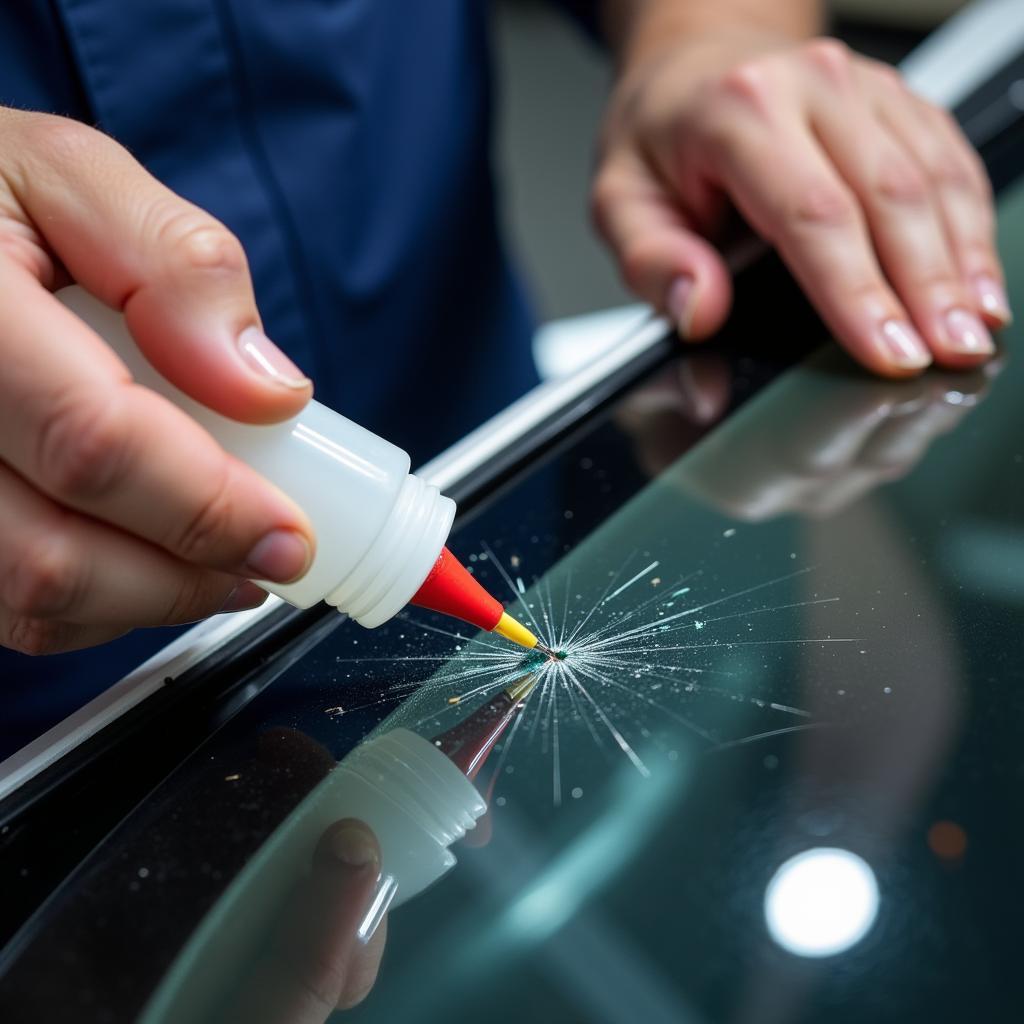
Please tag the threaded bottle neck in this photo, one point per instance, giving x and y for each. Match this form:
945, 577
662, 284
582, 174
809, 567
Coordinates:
400, 556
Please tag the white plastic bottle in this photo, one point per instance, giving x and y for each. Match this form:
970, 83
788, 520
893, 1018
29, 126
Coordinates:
379, 528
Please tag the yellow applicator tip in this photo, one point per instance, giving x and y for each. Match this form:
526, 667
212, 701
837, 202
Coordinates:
515, 631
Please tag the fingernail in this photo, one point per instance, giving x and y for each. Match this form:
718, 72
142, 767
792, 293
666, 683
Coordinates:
992, 297
245, 596
966, 333
903, 345
680, 304
281, 556
383, 897
353, 845
262, 356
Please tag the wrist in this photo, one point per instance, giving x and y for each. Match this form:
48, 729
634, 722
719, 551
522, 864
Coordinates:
639, 31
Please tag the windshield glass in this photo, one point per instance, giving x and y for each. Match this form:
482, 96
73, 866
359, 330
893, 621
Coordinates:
771, 772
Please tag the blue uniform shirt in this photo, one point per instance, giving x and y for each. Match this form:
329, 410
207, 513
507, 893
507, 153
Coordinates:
346, 143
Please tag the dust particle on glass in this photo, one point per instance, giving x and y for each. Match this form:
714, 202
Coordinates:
576, 793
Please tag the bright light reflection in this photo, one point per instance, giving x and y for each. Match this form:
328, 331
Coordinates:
821, 902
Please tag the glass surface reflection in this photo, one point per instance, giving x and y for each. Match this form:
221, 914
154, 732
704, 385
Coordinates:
821, 902
798, 635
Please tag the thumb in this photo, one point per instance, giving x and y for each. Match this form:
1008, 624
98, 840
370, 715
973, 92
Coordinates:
661, 257
178, 274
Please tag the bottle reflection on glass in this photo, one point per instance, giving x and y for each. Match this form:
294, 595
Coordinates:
300, 931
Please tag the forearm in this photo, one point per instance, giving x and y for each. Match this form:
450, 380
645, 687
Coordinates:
636, 29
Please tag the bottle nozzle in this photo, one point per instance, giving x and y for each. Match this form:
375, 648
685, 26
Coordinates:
514, 630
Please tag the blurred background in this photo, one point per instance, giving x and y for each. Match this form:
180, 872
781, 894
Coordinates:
551, 88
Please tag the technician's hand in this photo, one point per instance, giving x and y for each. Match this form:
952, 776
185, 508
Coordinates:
116, 509
872, 196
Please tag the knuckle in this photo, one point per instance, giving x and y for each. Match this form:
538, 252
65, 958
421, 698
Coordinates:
196, 242
978, 254
949, 172
940, 281
751, 84
868, 289
82, 448
830, 58
206, 530
62, 140
823, 204
43, 580
899, 181
34, 637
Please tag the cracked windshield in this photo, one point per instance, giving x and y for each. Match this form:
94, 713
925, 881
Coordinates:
744, 768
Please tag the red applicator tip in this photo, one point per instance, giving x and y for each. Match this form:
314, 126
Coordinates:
450, 589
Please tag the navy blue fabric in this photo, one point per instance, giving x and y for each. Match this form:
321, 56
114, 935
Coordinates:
346, 143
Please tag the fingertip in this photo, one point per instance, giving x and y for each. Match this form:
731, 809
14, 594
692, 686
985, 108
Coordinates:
891, 348
992, 301
958, 337
350, 842
270, 365
697, 301
282, 556
680, 303
712, 300
244, 597
224, 361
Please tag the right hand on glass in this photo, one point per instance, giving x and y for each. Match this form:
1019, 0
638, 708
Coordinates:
117, 510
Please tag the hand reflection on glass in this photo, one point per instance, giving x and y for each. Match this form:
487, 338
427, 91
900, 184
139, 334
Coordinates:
812, 443
317, 961
300, 931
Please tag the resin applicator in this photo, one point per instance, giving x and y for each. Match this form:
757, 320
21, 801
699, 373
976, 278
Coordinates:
450, 589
